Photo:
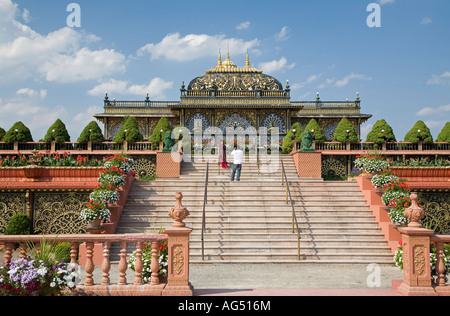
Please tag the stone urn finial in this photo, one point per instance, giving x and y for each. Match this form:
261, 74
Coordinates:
179, 212
415, 213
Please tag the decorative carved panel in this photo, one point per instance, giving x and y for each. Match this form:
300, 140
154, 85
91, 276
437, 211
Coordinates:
437, 208
10, 205
59, 212
145, 166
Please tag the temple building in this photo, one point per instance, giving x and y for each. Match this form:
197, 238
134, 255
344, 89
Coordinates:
231, 96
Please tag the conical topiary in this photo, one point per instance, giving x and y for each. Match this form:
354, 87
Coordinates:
129, 131
319, 136
91, 132
419, 132
18, 132
444, 135
157, 136
381, 132
345, 132
288, 144
2, 134
57, 132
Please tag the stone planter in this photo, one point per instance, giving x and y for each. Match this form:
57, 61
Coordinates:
422, 173
33, 172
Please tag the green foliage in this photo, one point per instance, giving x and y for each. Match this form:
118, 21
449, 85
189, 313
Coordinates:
419, 132
20, 224
2, 134
443, 137
18, 132
132, 134
91, 132
57, 132
381, 132
319, 136
157, 136
341, 134
62, 252
288, 143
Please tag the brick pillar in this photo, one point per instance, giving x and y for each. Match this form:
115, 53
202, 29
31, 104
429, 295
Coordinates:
416, 254
416, 262
178, 243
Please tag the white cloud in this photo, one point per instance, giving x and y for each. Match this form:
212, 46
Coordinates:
381, 2
156, 88
440, 79
276, 65
438, 125
195, 46
365, 130
61, 55
434, 111
87, 116
243, 26
283, 34
344, 81
83, 65
32, 93
313, 78
426, 20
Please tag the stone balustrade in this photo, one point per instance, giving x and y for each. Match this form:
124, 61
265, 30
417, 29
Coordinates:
177, 238
416, 241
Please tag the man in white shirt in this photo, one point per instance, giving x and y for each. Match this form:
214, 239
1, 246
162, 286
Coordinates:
237, 163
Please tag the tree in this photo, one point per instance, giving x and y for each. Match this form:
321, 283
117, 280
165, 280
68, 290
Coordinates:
157, 136
381, 132
18, 132
345, 132
444, 135
319, 136
57, 132
129, 131
288, 144
419, 132
91, 132
2, 134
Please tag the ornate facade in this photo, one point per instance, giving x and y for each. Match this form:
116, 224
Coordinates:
229, 96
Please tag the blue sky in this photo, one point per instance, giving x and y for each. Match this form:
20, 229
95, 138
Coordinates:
49, 70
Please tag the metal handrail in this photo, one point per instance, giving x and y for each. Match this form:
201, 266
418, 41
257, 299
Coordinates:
294, 215
205, 201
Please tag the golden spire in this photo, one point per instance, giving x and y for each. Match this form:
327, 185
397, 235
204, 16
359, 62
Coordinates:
247, 62
219, 63
228, 62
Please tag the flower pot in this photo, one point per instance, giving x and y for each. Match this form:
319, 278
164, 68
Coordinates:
33, 172
96, 223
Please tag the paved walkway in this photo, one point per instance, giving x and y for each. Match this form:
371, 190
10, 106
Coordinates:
301, 279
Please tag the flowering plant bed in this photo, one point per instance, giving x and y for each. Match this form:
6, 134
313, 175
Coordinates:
371, 163
112, 176
38, 274
147, 259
